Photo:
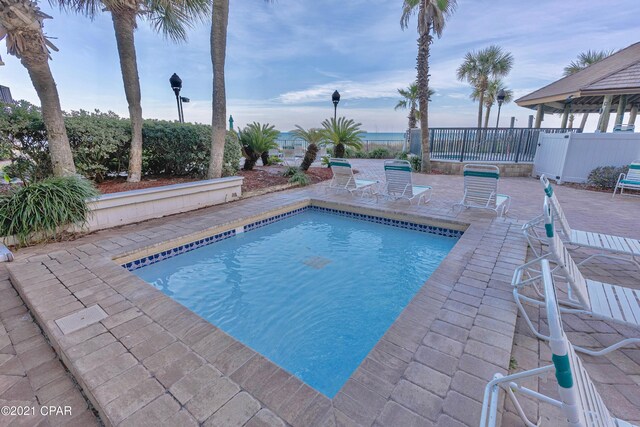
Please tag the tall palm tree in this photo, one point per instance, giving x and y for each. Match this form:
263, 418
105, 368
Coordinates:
170, 17
219, 23
432, 15
313, 137
410, 100
21, 22
342, 133
491, 97
585, 59
480, 67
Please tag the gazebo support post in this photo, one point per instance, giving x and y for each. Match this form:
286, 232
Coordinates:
633, 114
603, 121
539, 116
622, 106
565, 115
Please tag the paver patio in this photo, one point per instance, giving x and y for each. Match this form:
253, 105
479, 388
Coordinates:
153, 362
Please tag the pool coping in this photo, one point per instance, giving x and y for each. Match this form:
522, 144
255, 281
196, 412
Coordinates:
130, 302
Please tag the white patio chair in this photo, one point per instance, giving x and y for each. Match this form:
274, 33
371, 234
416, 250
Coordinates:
630, 180
610, 246
481, 189
399, 184
579, 400
343, 178
599, 300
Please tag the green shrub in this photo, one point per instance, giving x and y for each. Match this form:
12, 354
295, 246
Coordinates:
416, 163
353, 153
402, 155
380, 153
605, 177
99, 141
38, 211
300, 178
274, 160
232, 154
290, 171
326, 160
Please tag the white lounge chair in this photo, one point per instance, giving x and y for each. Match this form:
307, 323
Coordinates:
481, 189
399, 184
610, 246
343, 178
584, 296
630, 180
579, 401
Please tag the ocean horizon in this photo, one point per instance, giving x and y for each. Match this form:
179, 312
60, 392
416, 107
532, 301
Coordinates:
365, 136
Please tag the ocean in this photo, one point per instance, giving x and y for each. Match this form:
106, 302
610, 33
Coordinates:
366, 136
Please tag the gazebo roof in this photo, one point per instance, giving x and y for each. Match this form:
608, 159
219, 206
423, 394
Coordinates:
618, 74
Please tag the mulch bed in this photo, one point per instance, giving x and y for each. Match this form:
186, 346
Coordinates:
120, 184
270, 176
259, 178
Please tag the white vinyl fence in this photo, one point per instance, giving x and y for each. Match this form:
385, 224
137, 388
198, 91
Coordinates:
570, 157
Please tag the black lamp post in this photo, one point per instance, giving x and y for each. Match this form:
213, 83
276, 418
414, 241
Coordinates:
336, 99
176, 85
501, 96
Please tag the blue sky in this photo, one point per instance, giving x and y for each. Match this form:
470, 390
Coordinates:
284, 59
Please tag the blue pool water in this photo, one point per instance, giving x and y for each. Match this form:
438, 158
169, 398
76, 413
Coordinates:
313, 292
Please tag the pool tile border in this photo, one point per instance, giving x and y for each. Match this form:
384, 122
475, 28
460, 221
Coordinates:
206, 241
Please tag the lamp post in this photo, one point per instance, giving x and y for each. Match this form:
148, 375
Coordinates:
176, 85
500, 97
336, 99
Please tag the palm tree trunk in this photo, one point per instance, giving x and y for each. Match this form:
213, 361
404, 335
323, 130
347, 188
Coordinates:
219, 22
583, 123
424, 43
124, 23
481, 101
36, 61
412, 118
487, 113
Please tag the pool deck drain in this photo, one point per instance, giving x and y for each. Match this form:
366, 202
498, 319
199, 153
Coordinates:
153, 360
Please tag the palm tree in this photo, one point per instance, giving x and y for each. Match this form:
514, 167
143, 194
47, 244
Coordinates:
480, 67
219, 23
256, 139
313, 137
584, 60
490, 98
342, 133
170, 17
410, 100
21, 22
431, 18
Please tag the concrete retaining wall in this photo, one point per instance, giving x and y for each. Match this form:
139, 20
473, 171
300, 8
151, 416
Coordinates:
112, 210
506, 169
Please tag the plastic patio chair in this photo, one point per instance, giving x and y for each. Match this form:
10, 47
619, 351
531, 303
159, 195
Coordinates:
610, 246
481, 189
630, 180
343, 178
579, 401
399, 184
599, 300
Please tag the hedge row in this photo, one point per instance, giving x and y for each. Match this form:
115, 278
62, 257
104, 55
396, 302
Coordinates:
100, 144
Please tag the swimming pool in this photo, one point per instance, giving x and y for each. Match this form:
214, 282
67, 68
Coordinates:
313, 292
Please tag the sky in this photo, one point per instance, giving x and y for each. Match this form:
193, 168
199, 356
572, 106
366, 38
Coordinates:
285, 58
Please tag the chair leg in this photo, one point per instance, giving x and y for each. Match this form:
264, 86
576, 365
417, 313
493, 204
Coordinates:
607, 350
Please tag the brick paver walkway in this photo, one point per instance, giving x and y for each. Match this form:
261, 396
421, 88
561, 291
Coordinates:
153, 362
31, 375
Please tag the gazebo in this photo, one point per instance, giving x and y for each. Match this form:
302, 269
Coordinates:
614, 81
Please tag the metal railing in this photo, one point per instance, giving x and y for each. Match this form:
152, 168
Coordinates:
513, 145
